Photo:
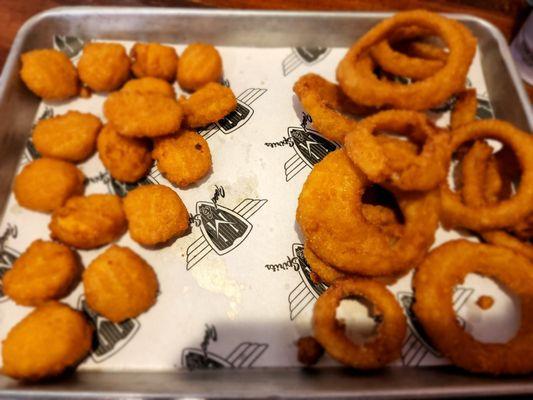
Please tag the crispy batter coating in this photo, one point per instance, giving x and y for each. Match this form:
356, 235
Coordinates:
154, 59
141, 114
183, 158
49, 74
45, 184
49, 340
87, 222
309, 350
209, 104
434, 282
104, 66
465, 108
127, 159
325, 272
150, 85
69, 137
45, 271
199, 64
119, 284
155, 214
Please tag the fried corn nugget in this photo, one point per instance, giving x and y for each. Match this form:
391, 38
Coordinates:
199, 64
154, 59
127, 159
183, 158
45, 271
209, 104
45, 184
155, 214
140, 114
69, 137
49, 74
104, 66
49, 340
119, 284
149, 85
87, 222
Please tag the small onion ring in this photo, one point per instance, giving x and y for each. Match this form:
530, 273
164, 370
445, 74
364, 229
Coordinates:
419, 172
434, 282
355, 71
465, 108
329, 213
506, 212
383, 348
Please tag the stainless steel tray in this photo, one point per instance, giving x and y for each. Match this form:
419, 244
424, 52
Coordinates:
257, 29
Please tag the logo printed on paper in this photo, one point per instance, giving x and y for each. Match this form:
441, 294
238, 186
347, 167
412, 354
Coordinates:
308, 55
222, 229
7, 255
238, 117
70, 45
111, 337
307, 290
243, 356
122, 188
417, 345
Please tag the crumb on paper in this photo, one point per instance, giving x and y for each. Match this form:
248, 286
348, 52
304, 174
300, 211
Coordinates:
485, 302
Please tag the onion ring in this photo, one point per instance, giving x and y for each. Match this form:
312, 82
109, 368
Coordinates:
327, 106
506, 212
384, 348
329, 213
357, 80
434, 282
418, 172
465, 108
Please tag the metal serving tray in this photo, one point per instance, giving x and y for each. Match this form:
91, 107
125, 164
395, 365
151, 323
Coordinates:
255, 29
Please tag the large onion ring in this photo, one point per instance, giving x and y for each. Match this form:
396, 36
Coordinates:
329, 213
384, 348
357, 80
434, 282
419, 172
507, 212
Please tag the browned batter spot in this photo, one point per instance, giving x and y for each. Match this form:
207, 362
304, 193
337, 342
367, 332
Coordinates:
309, 350
485, 302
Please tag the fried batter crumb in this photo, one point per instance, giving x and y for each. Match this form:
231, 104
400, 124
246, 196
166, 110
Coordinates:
309, 350
485, 302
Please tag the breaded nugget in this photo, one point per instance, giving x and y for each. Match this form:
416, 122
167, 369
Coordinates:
87, 222
199, 64
119, 284
209, 104
70, 137
104, 66
127, 159
49, 74
139, 114
52, 338
154, 59
45, 271
155, 214
150, 85
183, 158
45, 184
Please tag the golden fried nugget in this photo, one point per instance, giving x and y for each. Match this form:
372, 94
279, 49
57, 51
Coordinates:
49, 74
45, 184
209, 104
45, 271
199, 64
104, 66
119, 284
87, 222
140, 114
150, 85
155, 214
183, 158
69, 137
154, 59
49, 340
127, 159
